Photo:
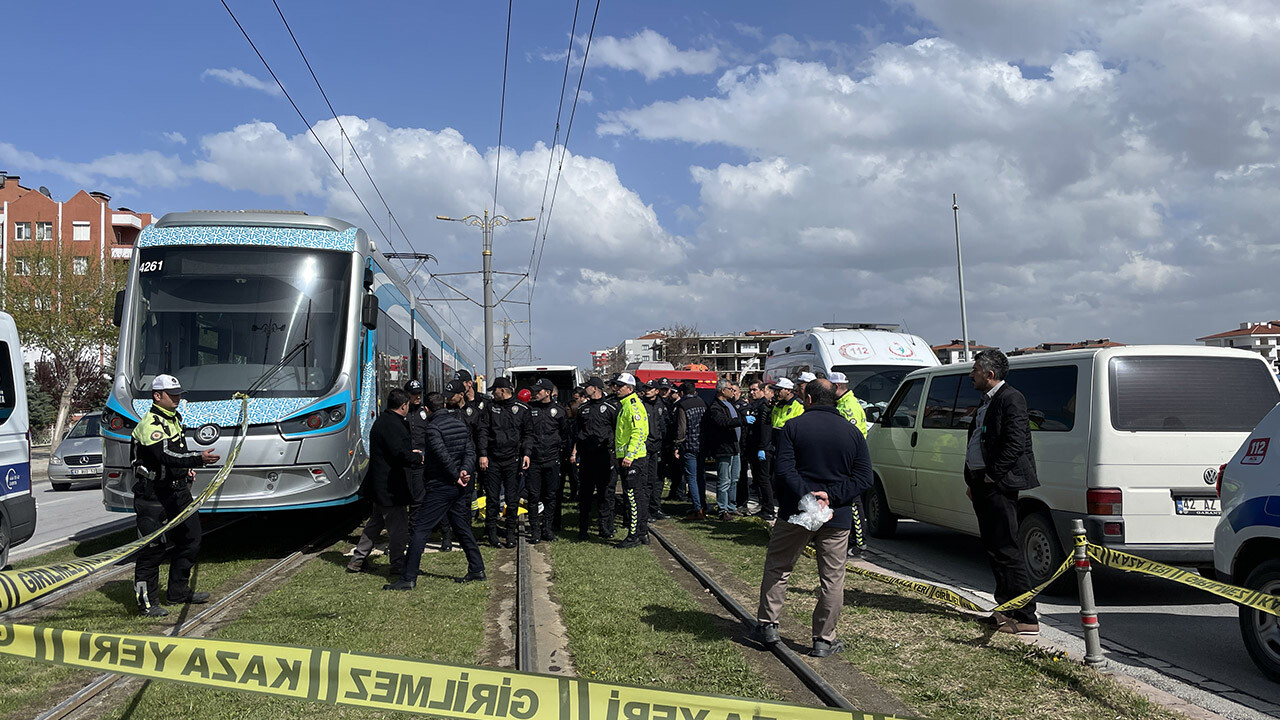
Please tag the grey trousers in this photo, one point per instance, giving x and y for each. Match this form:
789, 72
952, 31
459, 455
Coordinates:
786, 542
395, 518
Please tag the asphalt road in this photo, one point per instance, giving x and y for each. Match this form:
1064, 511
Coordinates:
63, 517
1176, 630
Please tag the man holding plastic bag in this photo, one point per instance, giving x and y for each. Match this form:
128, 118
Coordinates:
822, 465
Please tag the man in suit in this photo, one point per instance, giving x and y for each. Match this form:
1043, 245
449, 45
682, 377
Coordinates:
998, 464
389, 484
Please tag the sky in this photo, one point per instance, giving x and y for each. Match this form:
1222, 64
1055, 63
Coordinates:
731, 165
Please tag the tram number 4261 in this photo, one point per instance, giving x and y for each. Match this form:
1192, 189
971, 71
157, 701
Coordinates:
151, 266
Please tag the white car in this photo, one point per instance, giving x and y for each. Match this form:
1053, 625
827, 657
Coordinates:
1246, 543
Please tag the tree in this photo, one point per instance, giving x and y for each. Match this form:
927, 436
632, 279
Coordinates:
63, 308
680, 346
40, 408
617, 362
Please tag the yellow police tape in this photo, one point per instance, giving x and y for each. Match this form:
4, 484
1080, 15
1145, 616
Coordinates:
337, 677
1131, 563
948, 596
479, 503
18, 587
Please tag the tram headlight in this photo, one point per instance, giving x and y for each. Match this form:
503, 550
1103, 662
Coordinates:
317, 420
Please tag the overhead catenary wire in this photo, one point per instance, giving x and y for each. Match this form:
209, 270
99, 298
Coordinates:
465, 335
502, 109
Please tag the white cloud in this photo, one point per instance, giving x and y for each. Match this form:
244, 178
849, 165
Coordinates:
750, 31
652, 55
175, 137
239, 78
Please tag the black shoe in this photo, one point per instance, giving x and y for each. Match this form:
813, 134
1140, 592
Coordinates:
535, 540
399, 585
628, 542
446, 547
583, 535
471, 577
548, 535
856, 553
765, 633
194, 598
822, 648
659, 516
494, 540
354, 569
155, 611
644, 539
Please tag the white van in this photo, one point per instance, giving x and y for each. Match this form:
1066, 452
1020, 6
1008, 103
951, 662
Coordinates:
17, 504
1128, 439
874, 357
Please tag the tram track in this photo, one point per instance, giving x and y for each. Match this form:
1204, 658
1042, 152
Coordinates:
79, 703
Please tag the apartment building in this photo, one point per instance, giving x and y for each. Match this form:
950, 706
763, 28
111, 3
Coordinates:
1260, 337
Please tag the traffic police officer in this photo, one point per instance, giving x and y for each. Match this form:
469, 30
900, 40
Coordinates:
593, 452
549, 426
850, 409
162, 466
630, 436
504, 451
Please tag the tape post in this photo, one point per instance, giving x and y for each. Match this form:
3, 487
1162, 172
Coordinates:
18, 587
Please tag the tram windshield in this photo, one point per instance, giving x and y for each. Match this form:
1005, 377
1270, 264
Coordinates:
218, 318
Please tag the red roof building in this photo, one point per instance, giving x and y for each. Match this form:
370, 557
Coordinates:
949, 354
1260, 337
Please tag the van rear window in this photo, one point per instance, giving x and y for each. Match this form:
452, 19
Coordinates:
1190, 394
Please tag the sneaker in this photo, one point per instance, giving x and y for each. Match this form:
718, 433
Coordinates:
628, 542
822, 648
399, 585
194, 598
1013, 627
155, 611
471, 577
766, 633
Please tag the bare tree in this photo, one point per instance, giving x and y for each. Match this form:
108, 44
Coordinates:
617, 363
62, 305
680, 346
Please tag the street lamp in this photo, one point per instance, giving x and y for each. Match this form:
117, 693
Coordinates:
486, 225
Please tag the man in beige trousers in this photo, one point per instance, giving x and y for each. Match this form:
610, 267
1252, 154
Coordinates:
823, 455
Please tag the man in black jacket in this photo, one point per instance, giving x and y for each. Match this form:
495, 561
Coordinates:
822, 455
450, 463
593, 452
998, 464
722, 425
549, 428
654, 480
756, 443
688, 441
504, 451
417, 420
386, 484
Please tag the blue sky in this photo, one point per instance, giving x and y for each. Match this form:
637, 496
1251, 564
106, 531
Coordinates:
733, 164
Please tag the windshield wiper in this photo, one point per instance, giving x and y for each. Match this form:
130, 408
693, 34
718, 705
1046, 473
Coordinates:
259, 384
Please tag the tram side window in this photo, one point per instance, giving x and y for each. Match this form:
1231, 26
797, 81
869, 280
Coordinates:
433, 372
393, 349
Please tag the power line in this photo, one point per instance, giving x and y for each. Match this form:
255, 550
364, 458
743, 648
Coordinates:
502, 109
466, 336
555, 138
560, 168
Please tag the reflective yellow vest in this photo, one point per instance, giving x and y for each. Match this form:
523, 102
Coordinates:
852, 411
632, 429
782, 413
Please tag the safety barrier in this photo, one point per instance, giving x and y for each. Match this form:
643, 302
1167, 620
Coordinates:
18, 587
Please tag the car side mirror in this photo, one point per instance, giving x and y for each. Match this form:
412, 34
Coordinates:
369, 312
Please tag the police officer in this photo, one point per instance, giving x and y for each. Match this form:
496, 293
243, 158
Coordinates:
417, 420
593, 453
162, 466
850, 409
549, 426
503, 448
785, 404
654, 479
630, 437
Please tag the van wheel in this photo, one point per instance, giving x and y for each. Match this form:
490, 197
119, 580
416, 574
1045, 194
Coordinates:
60, 486
1261, 631
1042, 552
881, 522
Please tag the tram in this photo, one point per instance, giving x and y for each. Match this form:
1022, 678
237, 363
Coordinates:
219, 299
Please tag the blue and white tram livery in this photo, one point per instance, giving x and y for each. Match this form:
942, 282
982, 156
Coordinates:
217, 299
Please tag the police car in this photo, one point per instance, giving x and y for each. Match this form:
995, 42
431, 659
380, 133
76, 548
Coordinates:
1246, 544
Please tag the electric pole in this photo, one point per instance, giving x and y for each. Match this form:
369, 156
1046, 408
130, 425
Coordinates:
486, 225
964, 322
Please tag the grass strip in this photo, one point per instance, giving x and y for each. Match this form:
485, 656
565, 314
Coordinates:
324, 606
630, 622
27, 685
74, 551
934, 657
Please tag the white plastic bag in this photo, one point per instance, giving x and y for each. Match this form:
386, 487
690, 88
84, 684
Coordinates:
812, 516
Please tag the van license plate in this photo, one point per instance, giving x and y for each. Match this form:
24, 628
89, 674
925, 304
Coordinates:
1197, 505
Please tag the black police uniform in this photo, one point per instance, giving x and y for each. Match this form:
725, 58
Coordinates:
654, 479
505, 440
549, 427
593, 437
162, 489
